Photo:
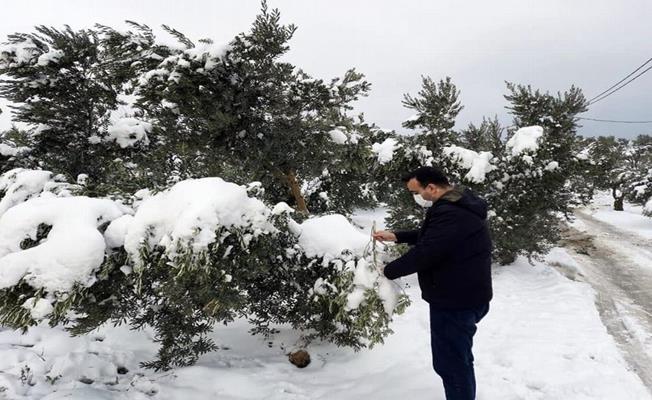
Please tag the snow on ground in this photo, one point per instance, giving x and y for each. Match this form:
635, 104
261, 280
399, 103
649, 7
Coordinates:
542, 339
630, 219
616, 260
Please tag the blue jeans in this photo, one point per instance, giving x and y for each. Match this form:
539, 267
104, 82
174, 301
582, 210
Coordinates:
451, 333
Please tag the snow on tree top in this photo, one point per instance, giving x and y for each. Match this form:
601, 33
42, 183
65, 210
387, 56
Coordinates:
74, 247
210, 51
525, 139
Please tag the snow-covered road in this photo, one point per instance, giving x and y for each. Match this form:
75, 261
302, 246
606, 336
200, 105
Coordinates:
617, 263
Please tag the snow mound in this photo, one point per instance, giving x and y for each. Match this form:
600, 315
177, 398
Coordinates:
127, 130
52, 56
19, 184
74, 247
330, 235
124, 127
338, 136
189, 213
525, 139
552, 165
11, 150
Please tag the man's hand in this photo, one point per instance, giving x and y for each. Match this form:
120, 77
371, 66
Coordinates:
384, 236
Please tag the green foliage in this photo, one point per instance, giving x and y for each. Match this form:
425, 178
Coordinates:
638, 174
527, 195
488, 136
242, 109
207, 111
16, 151
436, 107
65, 85
239, 112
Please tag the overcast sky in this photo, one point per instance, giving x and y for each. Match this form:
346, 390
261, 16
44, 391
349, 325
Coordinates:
480, 44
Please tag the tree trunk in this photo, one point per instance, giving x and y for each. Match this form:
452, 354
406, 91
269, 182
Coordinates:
618, 200
618, 204
296, 192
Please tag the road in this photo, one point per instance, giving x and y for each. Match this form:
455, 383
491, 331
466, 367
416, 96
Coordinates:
618, 265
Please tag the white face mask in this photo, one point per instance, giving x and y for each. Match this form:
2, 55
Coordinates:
421, 201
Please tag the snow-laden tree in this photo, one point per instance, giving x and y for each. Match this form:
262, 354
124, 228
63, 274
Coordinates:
65, 86
641, 192
530, 174
638, 157
610, 168
128, 111
239, 111
203, 252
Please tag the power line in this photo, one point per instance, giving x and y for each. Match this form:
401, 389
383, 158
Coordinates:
616, 121
620, 81
621, 86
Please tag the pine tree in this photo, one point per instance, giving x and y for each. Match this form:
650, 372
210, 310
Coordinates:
236, 112
65, 83
609, 169
245, 110
638, 158
537, 188
436, 106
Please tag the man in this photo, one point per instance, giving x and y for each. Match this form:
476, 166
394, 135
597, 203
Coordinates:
451, 255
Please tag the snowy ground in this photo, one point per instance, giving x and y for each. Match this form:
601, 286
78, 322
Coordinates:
611, 251
542, 339
630, 219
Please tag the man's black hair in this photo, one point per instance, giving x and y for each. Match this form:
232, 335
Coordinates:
427, 175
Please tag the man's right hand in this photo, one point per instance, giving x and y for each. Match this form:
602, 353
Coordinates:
384, 236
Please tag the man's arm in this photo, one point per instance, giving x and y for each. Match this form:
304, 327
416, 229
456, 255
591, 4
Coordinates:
432, 246
409, 237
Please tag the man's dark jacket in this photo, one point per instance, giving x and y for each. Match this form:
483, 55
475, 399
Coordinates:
451, 253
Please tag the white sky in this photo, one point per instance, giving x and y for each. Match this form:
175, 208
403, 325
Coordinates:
480, 44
